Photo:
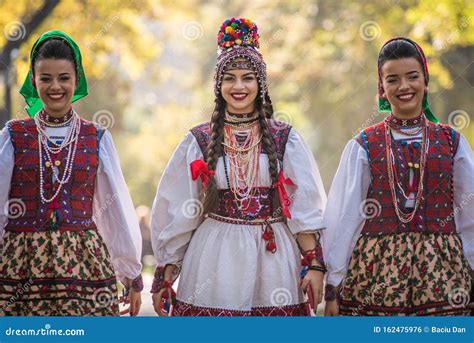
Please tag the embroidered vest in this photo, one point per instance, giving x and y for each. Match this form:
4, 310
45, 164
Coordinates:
435, 213
260, 205
76, 196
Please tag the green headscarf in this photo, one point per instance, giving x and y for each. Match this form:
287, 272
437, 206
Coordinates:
32, 99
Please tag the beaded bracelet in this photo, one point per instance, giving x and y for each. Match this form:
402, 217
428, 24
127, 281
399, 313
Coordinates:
321, 269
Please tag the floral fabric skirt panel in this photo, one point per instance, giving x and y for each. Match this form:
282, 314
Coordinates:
227, 271
56, 273
407, 274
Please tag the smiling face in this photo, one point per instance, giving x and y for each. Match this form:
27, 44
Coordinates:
55, 81
239, 89
404, 86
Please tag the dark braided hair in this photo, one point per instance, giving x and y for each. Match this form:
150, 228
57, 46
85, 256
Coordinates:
267, 138
215, 148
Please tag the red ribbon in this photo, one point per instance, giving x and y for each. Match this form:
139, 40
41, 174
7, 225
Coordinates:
200, 168
284, 198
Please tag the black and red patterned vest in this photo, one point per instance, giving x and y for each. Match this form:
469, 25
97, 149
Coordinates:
261, 204
75, 198
435, 213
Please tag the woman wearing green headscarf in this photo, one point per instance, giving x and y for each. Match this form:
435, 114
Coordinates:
71, 227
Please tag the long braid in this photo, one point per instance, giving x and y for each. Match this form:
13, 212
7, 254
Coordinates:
266, 112
214, 150
267, 139
268, 144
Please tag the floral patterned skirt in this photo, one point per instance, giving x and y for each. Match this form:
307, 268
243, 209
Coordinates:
407, 274
56, 273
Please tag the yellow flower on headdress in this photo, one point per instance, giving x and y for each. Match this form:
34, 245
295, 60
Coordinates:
229, 29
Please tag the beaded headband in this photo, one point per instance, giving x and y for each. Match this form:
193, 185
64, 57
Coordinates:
384, 105
239, 64
239, 39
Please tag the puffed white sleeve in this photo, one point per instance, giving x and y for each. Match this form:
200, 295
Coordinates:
343, 218
308, 197
176, 211
7, 162
463, 173
114, 213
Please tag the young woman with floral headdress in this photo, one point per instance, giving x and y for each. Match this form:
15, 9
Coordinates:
400, 230
233, 198
72, 225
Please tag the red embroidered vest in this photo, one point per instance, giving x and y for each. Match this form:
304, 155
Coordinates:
259, 206
75, 198
435, 213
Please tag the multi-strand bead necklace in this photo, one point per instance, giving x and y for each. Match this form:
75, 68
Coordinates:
242, 146
52, 150
392, 172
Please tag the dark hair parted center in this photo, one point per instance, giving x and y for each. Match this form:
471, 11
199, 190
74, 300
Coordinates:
398, 49
54, 48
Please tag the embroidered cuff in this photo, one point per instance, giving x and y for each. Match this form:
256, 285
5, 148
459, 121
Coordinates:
159, 278
137, 284
316, 253
330, 292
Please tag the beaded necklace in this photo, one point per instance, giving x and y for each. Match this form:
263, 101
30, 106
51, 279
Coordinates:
51, 150
233, 118
244, 156
393, 176
47, 120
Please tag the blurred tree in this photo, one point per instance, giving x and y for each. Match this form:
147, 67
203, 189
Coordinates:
14, 42
114, 43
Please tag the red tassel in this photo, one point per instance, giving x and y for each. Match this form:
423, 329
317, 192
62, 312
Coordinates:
269, 237
271, 246
266, 236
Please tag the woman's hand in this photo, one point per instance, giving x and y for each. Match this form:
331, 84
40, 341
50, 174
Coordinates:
314, 279
332, 308
157, 303
133, 298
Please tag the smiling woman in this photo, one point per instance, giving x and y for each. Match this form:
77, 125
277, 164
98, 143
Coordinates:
400, 236
240, 88
64, 240
54, 76
233, 197
55, 82
404, 86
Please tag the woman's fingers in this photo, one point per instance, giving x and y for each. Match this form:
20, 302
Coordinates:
157, 303
304, 283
